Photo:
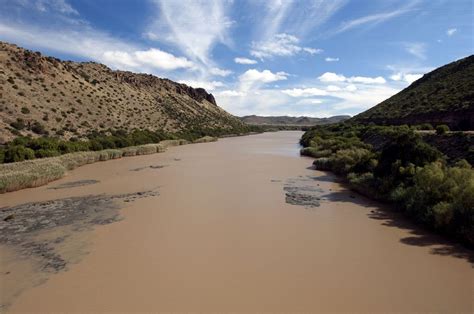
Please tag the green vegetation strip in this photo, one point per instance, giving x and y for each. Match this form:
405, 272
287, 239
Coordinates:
396, 165
32, 173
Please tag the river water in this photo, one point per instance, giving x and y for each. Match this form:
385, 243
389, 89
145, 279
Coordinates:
225, 234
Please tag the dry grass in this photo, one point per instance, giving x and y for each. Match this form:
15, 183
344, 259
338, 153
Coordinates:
206, 139
32, 173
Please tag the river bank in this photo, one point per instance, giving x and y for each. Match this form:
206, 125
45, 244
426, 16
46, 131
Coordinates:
242, 224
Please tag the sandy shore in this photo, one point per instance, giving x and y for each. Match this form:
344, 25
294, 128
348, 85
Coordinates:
239, 225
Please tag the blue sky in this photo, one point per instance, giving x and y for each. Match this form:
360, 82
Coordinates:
281, 57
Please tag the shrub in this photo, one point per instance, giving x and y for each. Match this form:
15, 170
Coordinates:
400, 168
42, 153
19, 124
25, 110
443, 197
38, 128
323, 164
425, 126
315, 152
442, 129
18, 153
345, 160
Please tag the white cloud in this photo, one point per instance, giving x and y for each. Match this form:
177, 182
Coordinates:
97, 46
59, 6
451, 31
410, 78
351, 88
253, 77
416, 49
209, 86
333, 88
193, 26
265, 76
406, 77
292, 16
332, 77
312, 51
220, 72
280, 45
161, 60
329, 59
230, 93
364, 97
245, 61
375, 18
304, 92
367, 80
310, 101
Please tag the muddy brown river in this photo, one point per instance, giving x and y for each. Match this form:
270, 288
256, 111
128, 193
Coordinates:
239, 225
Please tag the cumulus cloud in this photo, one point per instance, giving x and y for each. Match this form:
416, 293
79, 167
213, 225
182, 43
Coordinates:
153, 58
252, 80
329, 59
245, 61
209, 86
451, 31
367, 80
280, 45
333, 88
406, 77
312, 101
351, 88
96, 46
230, 93
304, 92
333, 77
220, 72
252, 76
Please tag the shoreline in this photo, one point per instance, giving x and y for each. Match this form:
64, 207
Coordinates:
297, 238
37, 172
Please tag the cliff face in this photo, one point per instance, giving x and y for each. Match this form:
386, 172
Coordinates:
443, 96
44, 95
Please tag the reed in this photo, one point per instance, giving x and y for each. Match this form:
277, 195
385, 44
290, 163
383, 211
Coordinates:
32, 173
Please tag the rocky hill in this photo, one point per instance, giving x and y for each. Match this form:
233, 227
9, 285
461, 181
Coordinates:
286, 120
443, 96
43, 95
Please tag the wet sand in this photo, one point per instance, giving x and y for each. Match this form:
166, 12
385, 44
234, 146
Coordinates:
238, 225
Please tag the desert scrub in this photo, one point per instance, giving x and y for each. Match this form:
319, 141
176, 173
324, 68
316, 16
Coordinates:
205, 139
401, 168
31, 173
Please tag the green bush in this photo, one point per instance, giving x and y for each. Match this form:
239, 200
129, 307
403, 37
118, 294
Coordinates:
19, 124
38, 128
400, 167
442, 129
18, 153
443, 197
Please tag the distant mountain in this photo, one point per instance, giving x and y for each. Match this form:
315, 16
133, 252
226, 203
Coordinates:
443, 96
44, 95
286, 120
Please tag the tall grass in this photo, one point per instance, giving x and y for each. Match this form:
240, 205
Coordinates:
32, 173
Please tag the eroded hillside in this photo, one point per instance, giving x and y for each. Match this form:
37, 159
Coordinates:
43, 95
